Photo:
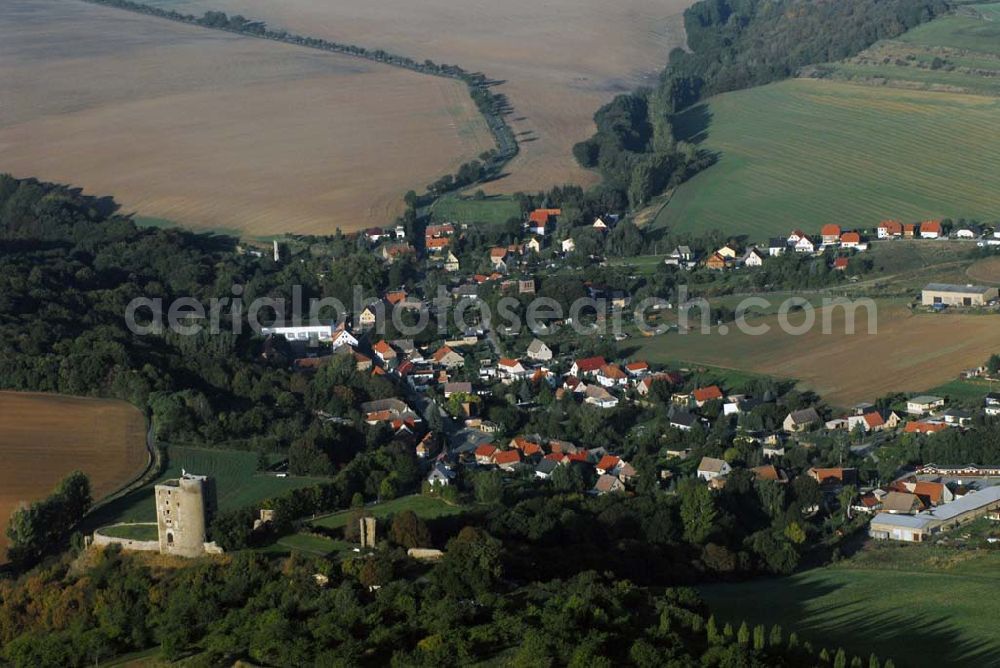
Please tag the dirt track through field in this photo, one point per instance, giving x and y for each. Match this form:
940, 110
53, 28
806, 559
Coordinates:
219, 131
44, 437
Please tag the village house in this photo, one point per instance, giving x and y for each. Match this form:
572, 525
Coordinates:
805, 245
608, 484
342, 337
716, 262
909, 230
840, 263
507, 460
776, 246
752, 258
830, 234
587, 366
510, 369
568, 245
428, 446
394, 252
925, 403
703, 395
596, 395
448, 358
728, 252
611, 375
924, 427
850, 240
539, 220
484, 454
370, 314
930, 229
800, 420
386, 354
835, 477
948, 294
451, 263
710, 468
681, 255
637, 369
437, 245
968, 231
440, 475
683, 420
890, 228
901, 503
538, 351
795, 237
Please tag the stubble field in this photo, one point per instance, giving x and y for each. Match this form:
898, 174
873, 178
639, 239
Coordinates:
44, 437
559, 60
909, 351
218, 131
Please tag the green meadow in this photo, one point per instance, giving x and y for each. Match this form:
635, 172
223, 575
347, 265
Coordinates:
803, 153
426, 507
238, 483
493, 210
921, 606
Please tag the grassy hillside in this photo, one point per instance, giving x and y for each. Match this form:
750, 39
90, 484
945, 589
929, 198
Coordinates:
427, 507
923, 607
910, 138
803, 153
494, 210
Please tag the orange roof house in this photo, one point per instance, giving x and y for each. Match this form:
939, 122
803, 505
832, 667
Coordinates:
890, 228
840, 263
830, 233
924, 427
543, 216
395, 297
507, 457
608, 464
715, 261
930, 228
704, 394
850, 238
436, 243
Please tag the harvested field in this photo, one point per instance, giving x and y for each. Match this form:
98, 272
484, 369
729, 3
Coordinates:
915, 351
559, 60
44, 437
217, 131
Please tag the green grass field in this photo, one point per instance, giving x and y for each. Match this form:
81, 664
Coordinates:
920, 606
968, 392
318, 546
802, 153
493, 210
132, 531
426, 507
961, 32
237, 484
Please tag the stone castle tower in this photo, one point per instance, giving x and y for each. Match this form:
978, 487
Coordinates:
183, 508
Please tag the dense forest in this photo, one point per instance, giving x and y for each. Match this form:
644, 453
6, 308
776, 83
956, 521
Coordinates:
733, 44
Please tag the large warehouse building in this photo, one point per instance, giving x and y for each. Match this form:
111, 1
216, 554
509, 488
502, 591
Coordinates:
957, 295
917, 528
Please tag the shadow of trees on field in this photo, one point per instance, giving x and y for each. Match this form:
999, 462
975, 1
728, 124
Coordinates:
859, 624
691, 125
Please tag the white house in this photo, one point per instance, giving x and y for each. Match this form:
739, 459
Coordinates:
776, 246
925, 403
805, 245
342, 337
753, 258
568, 246
538, 351
711, 468
598, 396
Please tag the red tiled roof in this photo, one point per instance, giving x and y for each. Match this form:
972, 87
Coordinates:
850, 238
931, 226
830, 230
507, 457
485, 451
435, 243
395, 297
924, 427
612, 371
892, 226
543, 215
590, 364
608, 462
840, 263
637, 366
874, 420
707, 393
441, 353
383, 348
